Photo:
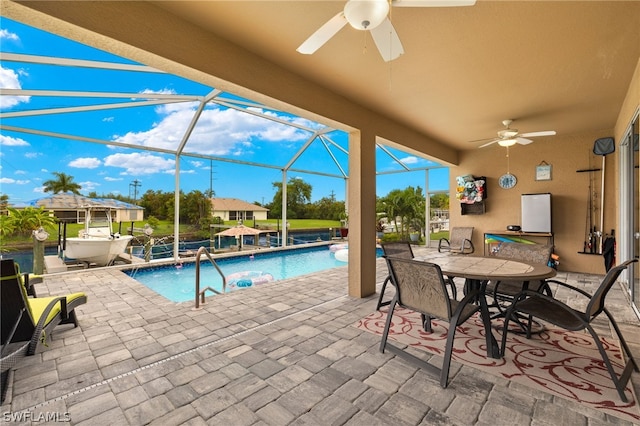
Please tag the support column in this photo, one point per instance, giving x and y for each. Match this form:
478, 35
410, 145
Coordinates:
362, 214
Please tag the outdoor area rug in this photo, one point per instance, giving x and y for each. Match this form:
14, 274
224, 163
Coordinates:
559, 362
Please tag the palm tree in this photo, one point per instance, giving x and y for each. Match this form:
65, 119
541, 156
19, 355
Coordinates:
63, 183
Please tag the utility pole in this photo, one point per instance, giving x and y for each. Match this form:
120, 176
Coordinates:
135, 184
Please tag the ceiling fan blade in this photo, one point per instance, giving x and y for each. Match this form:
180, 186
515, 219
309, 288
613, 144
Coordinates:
387, 41
523, 141
544, 133
432, 3
489, 143
323, 34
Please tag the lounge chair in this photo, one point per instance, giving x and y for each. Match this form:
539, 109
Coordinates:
549, 309
421, 287
32, 319
459, 241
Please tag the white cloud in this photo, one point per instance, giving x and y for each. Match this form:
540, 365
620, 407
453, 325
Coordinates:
9, 80
85, 163
9, 141
8, 35
33, 154
21, 172
89, 185
112, 179
14, 181
218, 132
197, 164
139, 163
410, 160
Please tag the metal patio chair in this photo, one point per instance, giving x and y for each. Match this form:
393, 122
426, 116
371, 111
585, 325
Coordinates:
420, 286
459, 241
546, 308
503, 292
403, 250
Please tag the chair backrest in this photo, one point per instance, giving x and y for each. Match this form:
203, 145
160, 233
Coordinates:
13, 297
398, 249
420, 287
596, 304
459, 234
533, 253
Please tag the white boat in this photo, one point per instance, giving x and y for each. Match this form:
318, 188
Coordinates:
97, 243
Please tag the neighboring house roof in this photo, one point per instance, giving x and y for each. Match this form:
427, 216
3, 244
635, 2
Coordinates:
68, 200
234, 204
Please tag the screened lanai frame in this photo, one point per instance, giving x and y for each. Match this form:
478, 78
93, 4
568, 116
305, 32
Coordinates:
318, 134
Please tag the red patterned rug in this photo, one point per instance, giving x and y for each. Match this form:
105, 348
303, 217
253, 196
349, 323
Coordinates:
559, 362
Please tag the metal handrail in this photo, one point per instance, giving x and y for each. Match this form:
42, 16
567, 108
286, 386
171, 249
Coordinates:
200, 293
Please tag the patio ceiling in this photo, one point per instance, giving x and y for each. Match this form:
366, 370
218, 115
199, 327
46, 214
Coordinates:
563, 65
550, 65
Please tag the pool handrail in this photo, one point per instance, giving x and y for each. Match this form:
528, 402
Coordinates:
200, 293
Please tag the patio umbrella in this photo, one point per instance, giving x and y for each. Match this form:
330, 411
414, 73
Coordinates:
238, 231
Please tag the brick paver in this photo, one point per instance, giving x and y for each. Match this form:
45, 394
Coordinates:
279, 354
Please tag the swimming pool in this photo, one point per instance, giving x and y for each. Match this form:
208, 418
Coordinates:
177, 283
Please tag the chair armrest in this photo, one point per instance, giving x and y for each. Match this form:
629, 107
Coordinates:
442, 242
523, 295
28, 285
470, 245
42, 322
570, 287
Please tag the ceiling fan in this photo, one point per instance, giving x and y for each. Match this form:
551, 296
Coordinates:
509, 137
371, 15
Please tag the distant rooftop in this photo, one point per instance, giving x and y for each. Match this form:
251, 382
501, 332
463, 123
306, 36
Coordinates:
234, 204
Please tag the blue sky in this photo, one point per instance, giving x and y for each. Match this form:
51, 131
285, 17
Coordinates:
27, 160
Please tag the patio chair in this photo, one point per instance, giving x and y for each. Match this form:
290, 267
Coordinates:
504, 292
421, 287
459, 241
31, 319
403, 249
546, 308
396, 249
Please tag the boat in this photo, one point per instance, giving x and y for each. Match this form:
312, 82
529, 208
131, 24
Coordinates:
96, 243
246, 279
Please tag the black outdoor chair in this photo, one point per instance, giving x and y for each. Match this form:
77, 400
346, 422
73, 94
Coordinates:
403, 249
421, 287
38, 315
396, 249
504, 292
459, 241
546, 308
28, 321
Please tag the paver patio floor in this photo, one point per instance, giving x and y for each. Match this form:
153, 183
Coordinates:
278, 354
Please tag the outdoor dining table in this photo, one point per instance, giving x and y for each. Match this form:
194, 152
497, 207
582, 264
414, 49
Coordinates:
479, 270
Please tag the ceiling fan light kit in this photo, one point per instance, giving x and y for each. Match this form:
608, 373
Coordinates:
366, 14
507, 142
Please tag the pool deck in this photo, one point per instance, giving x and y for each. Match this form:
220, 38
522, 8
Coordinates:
278, 354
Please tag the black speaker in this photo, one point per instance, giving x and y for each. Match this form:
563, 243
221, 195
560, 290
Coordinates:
513, 228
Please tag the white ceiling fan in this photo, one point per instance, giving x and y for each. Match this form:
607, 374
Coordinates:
509, 137
372, 15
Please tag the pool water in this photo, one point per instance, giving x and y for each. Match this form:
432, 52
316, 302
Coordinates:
177, 282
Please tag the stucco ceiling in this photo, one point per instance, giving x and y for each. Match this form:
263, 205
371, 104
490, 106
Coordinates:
563, 65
